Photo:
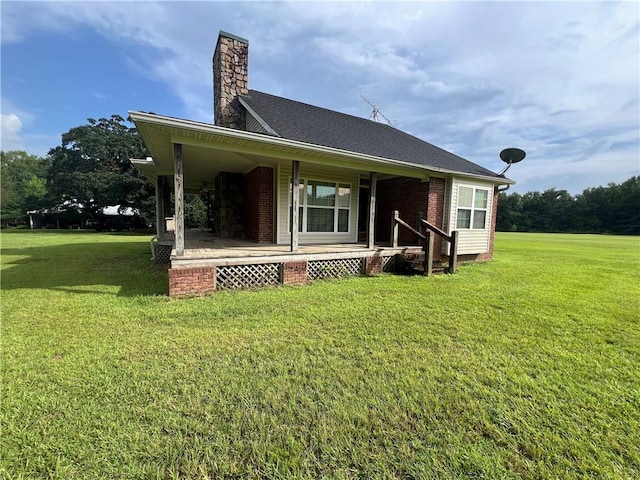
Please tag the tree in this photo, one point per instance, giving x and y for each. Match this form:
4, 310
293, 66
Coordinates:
195, 212
625, 206
509, 216
610, 209
23, 178
91, 168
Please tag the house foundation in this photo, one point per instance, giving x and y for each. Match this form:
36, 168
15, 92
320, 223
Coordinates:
294, 273
196, 281
373, 266
244, 265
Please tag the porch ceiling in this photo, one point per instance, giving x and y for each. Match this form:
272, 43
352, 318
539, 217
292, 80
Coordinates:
208, 150
202, 161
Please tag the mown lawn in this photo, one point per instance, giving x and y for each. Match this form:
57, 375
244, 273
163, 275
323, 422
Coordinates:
528, 366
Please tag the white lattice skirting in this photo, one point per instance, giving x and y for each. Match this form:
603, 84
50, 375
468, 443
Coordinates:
162, 253
247, 276
338, 268
229, 277
389, 264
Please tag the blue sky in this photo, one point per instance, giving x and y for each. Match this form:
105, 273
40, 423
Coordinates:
560, 80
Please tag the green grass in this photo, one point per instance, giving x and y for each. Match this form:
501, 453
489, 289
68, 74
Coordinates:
527, 366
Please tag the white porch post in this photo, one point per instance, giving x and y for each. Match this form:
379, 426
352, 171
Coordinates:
295, 204
373, 181
179, 198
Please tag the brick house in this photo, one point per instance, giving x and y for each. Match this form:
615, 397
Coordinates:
301, 192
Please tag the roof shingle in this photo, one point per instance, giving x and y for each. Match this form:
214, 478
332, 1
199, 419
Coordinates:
319, 126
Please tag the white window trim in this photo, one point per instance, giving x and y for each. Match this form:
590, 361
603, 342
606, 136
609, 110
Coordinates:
302, 220
473, 208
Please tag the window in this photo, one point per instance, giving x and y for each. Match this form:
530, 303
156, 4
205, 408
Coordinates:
472, 208
324, 206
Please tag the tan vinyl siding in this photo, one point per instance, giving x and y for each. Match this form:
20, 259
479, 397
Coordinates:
308, 172
471, 241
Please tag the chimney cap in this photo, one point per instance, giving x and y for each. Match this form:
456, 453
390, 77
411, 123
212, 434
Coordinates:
232, 36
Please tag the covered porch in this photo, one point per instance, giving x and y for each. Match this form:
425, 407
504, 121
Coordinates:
265, 190
228, 263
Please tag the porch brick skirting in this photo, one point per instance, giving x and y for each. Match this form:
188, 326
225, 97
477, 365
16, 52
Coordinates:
192, 281
373, 265
294, 273
197, 281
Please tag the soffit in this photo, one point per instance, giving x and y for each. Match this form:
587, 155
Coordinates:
208, 150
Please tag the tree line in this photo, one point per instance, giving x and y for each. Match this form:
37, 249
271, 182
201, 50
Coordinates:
614, 208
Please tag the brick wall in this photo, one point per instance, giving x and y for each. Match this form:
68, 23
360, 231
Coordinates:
373, 265
294, 273
435, 211
258, 203
191, 281
408, 196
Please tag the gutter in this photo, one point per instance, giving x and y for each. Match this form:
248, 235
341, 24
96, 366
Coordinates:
173, 122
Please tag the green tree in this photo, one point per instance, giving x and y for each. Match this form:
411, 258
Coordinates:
91, 168
611, 209
195, 212
23, 178
625, 206
509, 218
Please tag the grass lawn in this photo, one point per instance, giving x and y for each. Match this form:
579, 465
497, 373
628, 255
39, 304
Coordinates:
528, 366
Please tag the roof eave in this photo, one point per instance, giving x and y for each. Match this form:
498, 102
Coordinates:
312, 148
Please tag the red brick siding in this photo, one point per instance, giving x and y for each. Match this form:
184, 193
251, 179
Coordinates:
294, 273
373, 265
408, 196
435, 211
258, 214
192, 281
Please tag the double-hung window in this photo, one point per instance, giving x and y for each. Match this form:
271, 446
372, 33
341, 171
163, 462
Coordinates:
324, 206
472, 208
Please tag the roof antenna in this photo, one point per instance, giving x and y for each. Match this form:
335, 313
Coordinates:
376, 111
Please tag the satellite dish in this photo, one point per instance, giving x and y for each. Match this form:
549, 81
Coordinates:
510, 156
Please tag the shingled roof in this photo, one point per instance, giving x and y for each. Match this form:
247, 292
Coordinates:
319, 126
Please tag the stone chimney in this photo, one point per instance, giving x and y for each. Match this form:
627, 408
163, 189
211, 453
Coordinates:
230, 79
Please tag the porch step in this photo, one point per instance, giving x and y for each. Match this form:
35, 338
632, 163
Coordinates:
413, 264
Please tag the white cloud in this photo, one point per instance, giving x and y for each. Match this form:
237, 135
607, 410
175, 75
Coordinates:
15, 135
11, 132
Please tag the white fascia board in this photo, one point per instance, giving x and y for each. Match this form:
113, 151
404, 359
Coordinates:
207, 128
493, 180
258, 118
